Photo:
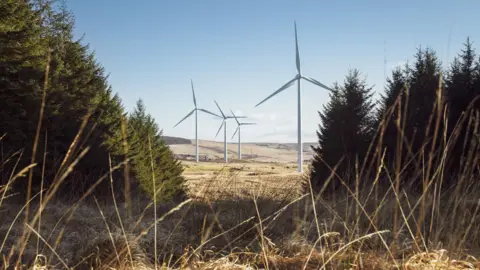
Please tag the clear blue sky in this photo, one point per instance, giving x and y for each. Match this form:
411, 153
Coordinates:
239, 52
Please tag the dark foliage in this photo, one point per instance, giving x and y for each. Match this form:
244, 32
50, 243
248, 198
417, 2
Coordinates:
420, 123
345, 132
77, 89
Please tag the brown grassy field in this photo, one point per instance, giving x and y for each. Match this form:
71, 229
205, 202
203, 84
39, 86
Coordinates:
243, 216
242, 179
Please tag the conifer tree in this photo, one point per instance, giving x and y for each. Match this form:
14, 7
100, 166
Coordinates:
415, 134
424, 80
77, 87
22, 63
392, 105
147, 146
345, 131
77, 84
22, 54
461, 89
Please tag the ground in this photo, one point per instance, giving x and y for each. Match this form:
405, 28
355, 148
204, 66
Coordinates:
266, 169
247, 179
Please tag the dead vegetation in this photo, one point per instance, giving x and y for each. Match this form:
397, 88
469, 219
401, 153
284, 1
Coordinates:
236, 220
242, 233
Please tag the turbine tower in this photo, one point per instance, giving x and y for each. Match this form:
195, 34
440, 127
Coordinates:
195, 110
297, 78
238, 130
224, 125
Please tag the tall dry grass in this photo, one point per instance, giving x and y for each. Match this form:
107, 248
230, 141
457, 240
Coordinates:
367, 227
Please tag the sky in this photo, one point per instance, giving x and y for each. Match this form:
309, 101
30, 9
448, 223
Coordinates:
239, 52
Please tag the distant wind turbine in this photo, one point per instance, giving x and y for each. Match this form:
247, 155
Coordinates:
238, 130
297, 78
224, 125
195, 110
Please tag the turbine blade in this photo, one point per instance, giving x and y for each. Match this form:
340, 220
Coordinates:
238, 127
235, 117
190, 113
219, 109
296, 49
312, 80
223, 122
285, 86
209, 112
193, 92
248, 123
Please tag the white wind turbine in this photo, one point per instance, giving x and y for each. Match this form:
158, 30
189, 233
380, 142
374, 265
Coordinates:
238, 130
224, 125
195, 110
297, 78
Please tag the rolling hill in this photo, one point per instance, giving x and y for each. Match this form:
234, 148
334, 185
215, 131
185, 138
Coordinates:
251, 151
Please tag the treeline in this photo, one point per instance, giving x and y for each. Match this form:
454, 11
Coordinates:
423, 132
59, 113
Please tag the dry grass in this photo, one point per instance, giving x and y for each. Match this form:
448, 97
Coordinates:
220, 235
226, 234
216, 181
245, 216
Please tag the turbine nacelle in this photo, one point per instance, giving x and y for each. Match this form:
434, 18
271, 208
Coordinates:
195, 110
239, 124
195, 107
225, 117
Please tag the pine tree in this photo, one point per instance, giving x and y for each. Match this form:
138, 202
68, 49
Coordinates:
22, 63
147, 146
328, 139
417, 86
392, 105
422, 131
77, 85
423, 81
461, 90
345, 131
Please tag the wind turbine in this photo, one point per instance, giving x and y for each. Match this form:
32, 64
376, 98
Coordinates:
238, 130
224, 125
195, 110
297, 78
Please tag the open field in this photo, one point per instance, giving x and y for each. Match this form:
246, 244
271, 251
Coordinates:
247, 179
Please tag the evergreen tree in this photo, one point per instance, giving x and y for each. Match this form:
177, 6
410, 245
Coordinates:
22, 55
345, 131
328, 139
462, 89
147, 146
392, 105
423, 81
22, 69
77, 87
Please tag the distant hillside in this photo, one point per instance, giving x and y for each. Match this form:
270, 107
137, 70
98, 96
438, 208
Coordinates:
288, 146
184, 149
176, 140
